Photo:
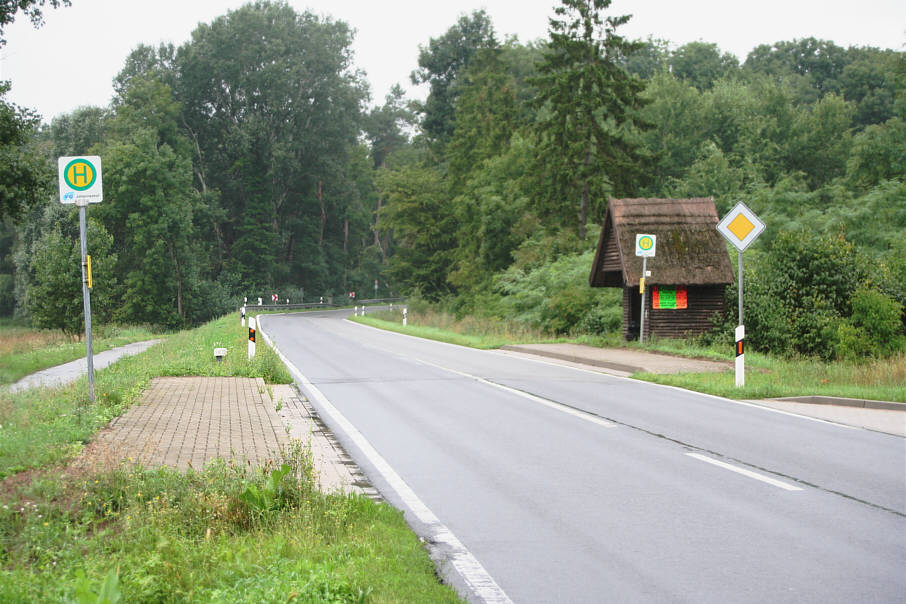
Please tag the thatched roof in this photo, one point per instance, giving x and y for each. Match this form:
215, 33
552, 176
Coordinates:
690, 250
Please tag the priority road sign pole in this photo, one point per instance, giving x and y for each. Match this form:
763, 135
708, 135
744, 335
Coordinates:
740, 336
740, 227
86, 298
739, 254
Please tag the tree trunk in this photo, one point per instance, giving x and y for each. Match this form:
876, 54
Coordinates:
179, 310
583, 211
584, 202
377, 237
323, 213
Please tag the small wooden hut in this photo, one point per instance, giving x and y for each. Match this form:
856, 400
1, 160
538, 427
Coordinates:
688, 275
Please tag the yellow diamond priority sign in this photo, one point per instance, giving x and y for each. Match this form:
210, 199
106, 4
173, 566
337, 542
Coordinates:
740, 226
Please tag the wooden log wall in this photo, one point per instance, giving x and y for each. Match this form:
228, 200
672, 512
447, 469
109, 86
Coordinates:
703, 303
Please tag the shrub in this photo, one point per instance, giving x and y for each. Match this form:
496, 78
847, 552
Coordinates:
798, 295
604, 317
851, 342
566, 308
879, 316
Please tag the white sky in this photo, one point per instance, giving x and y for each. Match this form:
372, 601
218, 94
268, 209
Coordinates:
71, 61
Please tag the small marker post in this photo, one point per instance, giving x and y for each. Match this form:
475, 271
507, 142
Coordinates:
740, 356
251, 337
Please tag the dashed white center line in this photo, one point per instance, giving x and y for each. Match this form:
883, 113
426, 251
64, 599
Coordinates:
749, 473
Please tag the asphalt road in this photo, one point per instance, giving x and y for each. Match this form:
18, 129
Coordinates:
535, 482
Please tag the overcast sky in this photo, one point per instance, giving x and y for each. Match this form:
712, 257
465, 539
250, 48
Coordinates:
72, 60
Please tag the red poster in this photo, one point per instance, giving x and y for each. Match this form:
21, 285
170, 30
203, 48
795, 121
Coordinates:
682, 299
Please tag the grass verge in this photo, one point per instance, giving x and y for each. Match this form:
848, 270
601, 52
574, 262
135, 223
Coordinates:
225, 533
766, 376
24, 350
47, 426
771, 377
469, 331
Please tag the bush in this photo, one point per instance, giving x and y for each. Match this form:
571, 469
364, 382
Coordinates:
798, 295
851, 342
7, 295
879, 316
566, 308
604, 317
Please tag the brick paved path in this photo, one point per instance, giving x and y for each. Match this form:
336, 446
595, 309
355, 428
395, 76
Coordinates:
190, 421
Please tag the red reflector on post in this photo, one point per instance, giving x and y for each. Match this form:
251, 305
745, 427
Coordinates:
739, 348
251, 334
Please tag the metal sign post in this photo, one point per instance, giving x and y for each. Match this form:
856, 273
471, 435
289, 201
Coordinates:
86, 300
740, 227
80, 184
645, 246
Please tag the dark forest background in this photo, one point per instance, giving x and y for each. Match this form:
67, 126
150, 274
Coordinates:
251, 160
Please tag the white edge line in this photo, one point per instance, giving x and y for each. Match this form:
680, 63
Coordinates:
584, 415
744, 472
546, 361
466, 564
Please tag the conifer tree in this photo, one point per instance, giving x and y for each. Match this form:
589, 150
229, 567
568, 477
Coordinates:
588, 106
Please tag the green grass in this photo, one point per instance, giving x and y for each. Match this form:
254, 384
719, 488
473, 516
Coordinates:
24, 350
474, 332
197, 537
771, 377
220, 534
46, 426
766, 376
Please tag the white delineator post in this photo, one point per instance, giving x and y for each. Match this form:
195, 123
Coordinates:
251, 337
740, 356
405, 313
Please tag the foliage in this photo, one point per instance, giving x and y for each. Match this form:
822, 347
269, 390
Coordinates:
144, 534
440, 65
701, 64
810, 294
55, 299
274, 107
555, 296
245, 160
22, 182
151, 207
588, 148
878, 153
419, 217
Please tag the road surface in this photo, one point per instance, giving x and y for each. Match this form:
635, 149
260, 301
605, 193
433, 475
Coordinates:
535, 482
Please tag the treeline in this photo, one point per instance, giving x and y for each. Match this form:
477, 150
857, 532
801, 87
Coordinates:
523, 144
246, 161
